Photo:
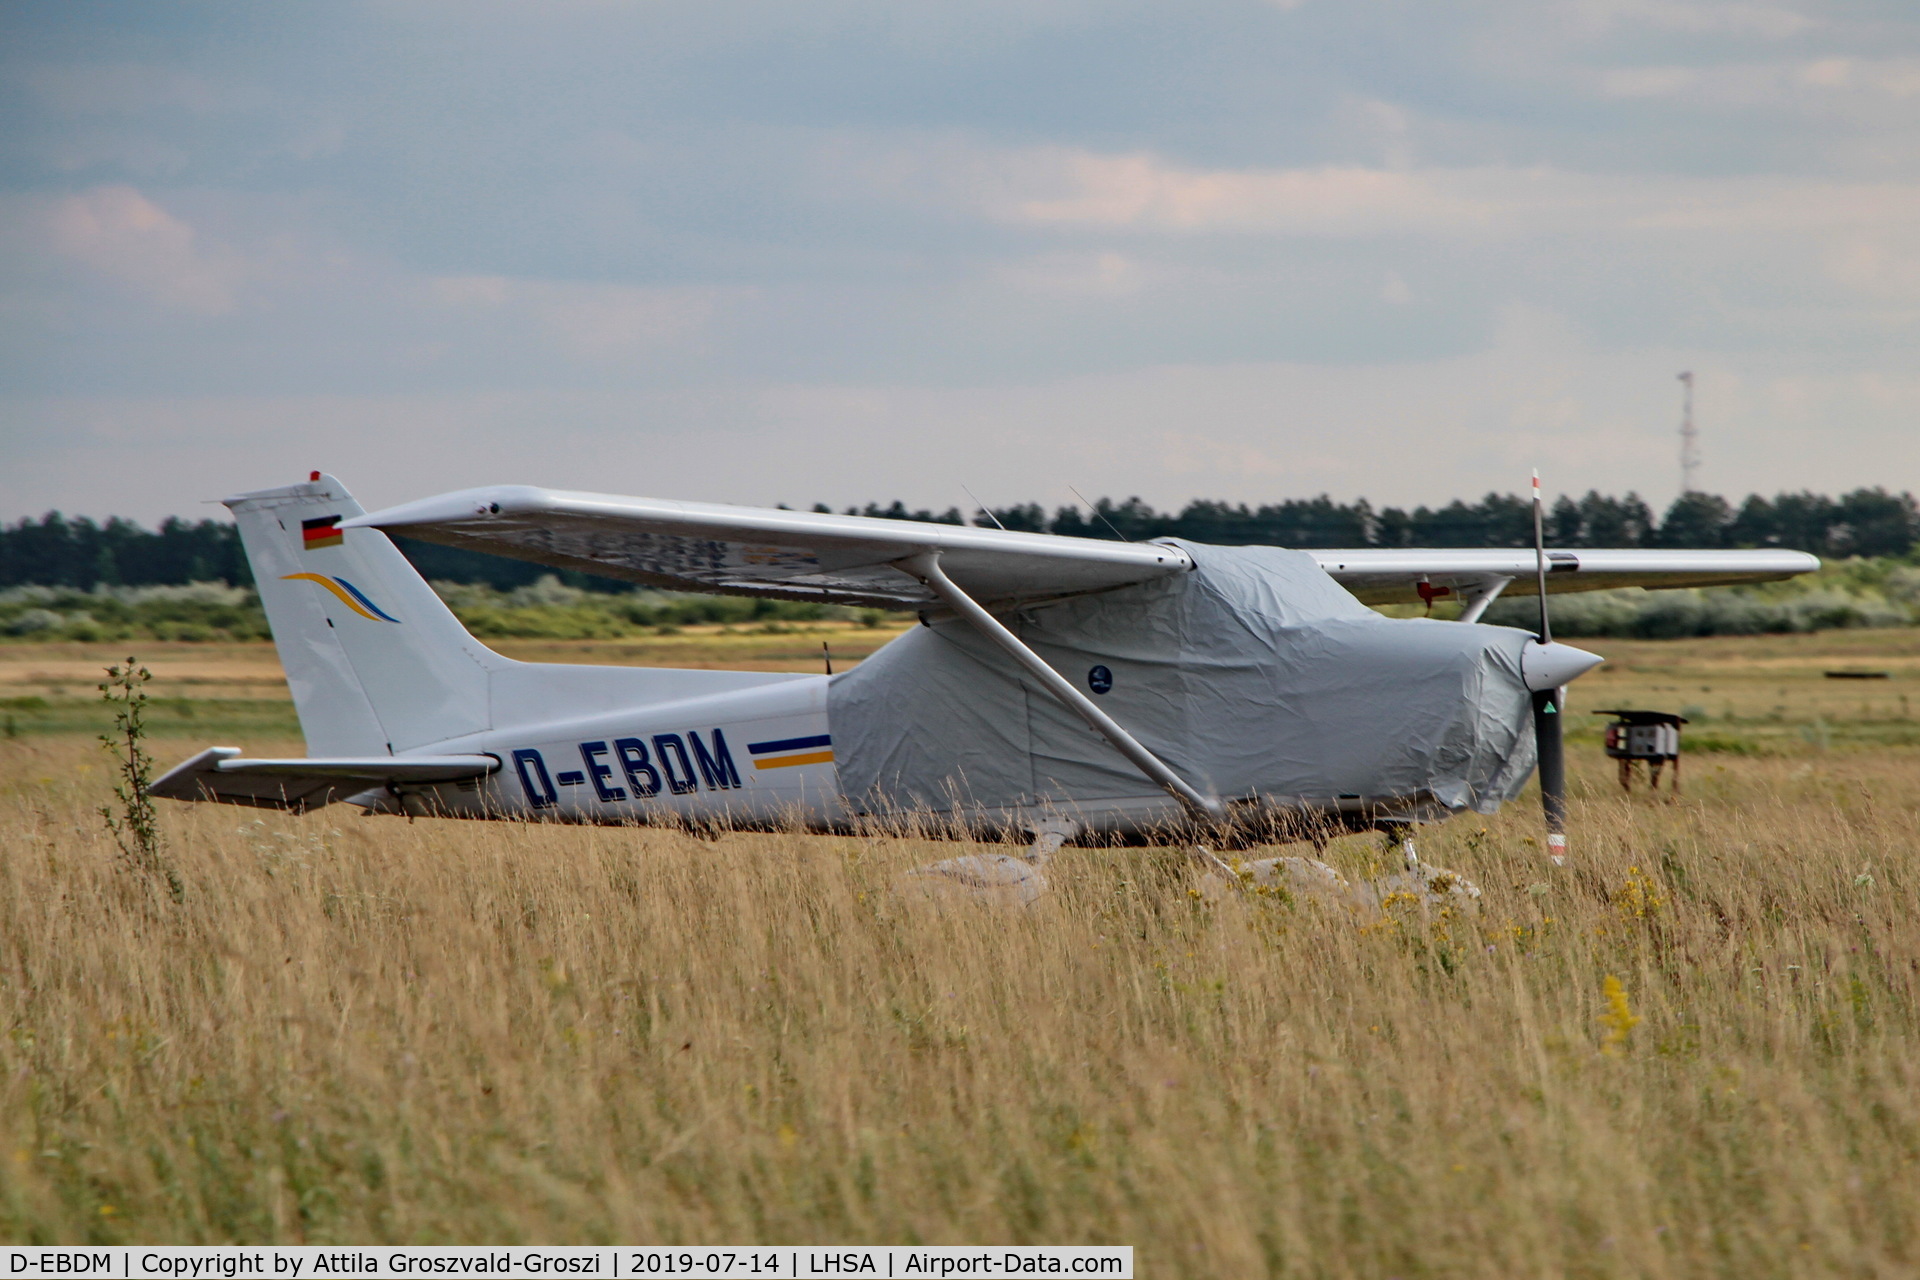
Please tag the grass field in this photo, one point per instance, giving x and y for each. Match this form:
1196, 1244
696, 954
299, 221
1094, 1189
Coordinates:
1692, 1052
203, 688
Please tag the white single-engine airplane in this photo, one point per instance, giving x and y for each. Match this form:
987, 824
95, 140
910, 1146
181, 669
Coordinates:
1067, 688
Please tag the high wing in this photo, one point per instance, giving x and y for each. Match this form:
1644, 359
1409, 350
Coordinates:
805, 555
795, 555
300, 784
1380, 576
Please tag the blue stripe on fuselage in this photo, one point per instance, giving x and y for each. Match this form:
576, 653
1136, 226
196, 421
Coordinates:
789, 744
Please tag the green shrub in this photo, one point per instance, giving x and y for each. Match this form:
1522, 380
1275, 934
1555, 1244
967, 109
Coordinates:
551, 610
197, 611
1844, 594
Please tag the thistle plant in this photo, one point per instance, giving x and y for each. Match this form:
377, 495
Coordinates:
132, 822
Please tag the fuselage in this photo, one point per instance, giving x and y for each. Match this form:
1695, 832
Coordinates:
766, 756
757, 756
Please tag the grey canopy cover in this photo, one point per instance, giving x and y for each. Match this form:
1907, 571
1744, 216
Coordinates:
1254, 675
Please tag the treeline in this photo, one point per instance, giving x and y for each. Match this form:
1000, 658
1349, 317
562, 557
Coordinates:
1855, 592
1866, 522
56, 551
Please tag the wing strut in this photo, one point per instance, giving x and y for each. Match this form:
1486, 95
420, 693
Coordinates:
1479, 597
926, 567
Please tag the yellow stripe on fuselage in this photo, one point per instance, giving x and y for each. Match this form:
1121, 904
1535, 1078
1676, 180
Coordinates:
332, 586
786, 762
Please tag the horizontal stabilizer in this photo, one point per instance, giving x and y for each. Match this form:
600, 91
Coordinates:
796, 555
222, 775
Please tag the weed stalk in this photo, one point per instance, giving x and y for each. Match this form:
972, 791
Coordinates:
132, 821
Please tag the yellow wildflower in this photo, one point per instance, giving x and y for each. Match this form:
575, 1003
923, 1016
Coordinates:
1639, 897
1619, 1019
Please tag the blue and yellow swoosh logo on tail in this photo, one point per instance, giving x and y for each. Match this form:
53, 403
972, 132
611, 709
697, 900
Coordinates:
348, 594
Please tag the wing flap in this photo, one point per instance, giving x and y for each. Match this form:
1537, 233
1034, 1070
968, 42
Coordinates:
222, 775
1379, 576
800, 555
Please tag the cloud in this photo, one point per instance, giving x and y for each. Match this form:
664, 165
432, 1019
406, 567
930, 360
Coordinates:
607, 322
585, 321
1878, 267
1539, 394
120, 89
1648, 82
1080, 275
1769, 205
840, 251
471, 291
121, 235
1145, 193
1892, 77
1762, 21
1788, 85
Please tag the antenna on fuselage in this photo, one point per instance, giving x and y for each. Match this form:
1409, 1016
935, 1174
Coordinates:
1098, 514
984, 509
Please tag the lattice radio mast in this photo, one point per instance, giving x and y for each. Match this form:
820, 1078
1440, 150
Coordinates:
1689, 437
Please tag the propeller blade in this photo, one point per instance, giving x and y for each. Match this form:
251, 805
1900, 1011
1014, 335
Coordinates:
1540, 557
1549, 745
1551, 748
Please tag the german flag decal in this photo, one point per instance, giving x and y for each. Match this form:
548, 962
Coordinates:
323, 532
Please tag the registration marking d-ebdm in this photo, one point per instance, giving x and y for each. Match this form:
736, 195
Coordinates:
676, 763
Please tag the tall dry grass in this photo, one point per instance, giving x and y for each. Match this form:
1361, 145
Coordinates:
372, 1030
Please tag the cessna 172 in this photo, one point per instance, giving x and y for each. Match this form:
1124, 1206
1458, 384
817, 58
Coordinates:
1070, 688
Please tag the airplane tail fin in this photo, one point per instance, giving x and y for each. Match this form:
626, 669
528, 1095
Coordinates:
376, 662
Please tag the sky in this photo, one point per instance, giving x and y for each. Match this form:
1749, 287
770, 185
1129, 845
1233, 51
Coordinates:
846, 251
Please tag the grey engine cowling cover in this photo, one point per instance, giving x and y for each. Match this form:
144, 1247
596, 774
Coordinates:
1255, 674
